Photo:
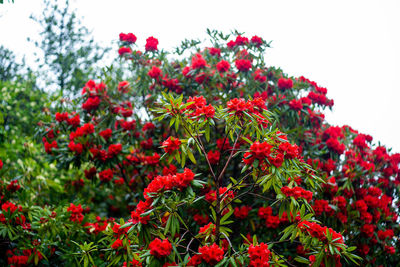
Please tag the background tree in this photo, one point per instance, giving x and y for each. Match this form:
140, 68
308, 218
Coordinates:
70, 54
9, 68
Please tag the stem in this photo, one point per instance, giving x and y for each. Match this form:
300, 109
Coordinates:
288, 263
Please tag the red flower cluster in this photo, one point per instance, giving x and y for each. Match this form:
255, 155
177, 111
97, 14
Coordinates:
160, 249
211, 254
155, 72
168, 182
297, 192
320, 232
271, 221
198, 62
76, 213
255, 106
223, 66
211, 196
241, 41
77, 148
199, 107
151, 44
106, 134
285, 84
129, 38
117, 244
171, 144
259, 255
213, 156
124, 50
243, 64
242, 212
142, 207
106, 175
114, 150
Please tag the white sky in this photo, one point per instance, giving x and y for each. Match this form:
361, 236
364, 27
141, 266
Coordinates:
351, 47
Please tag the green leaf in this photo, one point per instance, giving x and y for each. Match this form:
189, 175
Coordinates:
207, 132
190, 155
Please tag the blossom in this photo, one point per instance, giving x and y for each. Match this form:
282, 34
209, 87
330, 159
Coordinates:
171, 144
223, 66
151, 44
168, 182
129, 38
242, 212
198, 62
123, 86
297, 192
214, 51
243, 64
154, 72
76, 213
259, 255
124, 50
106, 134
117, 244
213, 156
114, 150
284, 84
106, 175
241, 40
77, 148
257, 41
160, 249
91, 103
211, 254
60, 117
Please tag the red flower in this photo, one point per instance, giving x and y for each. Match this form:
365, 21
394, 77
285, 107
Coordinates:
114, 150
154, 72
74, 121
238, 105
243, 64
91, 103
117, 244
77, 148
123, 86
296, 104
129, 38
259, 255
213, 156
277, 161
124, 50
242, 212
106, 134
240, 40
160, 248
106, 175
223, 66
260, 150
211, 254
284, 84
151, 44
257, 41
60, 117
214, 51
198, 62
171, 144
76, 213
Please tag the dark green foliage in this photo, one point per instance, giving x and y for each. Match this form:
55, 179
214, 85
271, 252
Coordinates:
9, 69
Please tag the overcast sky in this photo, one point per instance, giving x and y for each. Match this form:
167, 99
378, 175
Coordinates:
351, 47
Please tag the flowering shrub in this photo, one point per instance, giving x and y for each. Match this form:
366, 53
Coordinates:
209, 160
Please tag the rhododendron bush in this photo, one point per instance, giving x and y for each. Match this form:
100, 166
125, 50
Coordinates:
203, 157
